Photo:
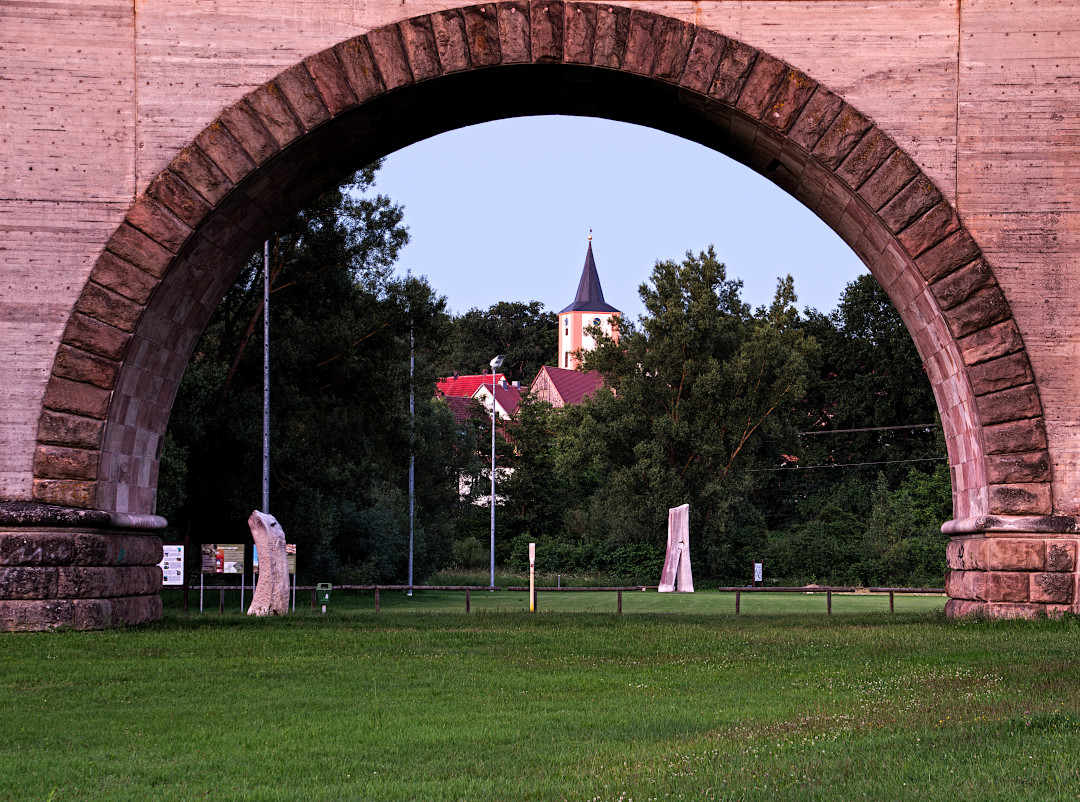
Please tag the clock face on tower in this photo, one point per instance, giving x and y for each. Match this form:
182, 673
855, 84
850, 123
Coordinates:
596, 321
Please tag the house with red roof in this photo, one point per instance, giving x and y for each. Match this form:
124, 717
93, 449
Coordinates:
458, 386
507, 398
560, 387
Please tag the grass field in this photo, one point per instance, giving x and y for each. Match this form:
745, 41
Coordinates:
504, 705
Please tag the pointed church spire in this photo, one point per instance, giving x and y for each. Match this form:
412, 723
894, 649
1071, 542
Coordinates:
590, 296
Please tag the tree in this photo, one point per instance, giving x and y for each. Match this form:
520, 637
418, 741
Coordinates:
524, 332
341, 430
695, 398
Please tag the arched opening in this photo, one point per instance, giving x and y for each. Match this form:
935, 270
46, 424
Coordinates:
183, 241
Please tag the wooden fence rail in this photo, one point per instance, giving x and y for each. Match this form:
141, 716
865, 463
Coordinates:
618, 590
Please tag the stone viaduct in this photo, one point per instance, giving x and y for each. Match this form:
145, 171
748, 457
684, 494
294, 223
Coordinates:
148, 148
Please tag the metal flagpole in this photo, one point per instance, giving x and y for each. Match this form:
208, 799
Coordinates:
266, 379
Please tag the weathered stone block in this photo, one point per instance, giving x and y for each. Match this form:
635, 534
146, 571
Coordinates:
273, 110
28, 582
1006, 586
330, 81
793, 92
1015, 436
155, 220
35, 616
816, 117
1012, 468
66, 492
82, 366
967, 554
49, 548
64, 395
201, 174
703, 60
60, 462
1001, 373
840, 139
134, 246
303, 96
220, 146
100, 549
109, 307
176, 196
1017, 554
989, 343
90, 334
675, 40
515, 37
984, 308
482, 27
1061, 555
956, 250
546, 24
247, 129
1021, 499
766, 75
961, 284
866, 157
964, 608
731, 75
1051, 588
271, 596
451, 40
894, 174
95, 582
965, 584
909, 205
1011, 610
418, 38
1015, 403
133, 610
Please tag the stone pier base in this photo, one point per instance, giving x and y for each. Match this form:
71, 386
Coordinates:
78, 569
1013, 568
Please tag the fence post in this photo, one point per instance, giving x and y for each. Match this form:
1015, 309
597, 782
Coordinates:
620, 601
738, 593
221, 601
828, 601
376, 600
466, 600
891, 602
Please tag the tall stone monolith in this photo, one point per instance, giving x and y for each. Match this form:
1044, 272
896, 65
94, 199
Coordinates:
272, 588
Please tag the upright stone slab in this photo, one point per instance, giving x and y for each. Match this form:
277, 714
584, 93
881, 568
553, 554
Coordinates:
78, 569
676, 573
271, 595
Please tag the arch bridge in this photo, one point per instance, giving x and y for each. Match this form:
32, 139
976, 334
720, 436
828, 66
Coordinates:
149, 148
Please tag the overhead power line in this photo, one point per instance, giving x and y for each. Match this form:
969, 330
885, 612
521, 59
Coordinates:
876, 429
793, 467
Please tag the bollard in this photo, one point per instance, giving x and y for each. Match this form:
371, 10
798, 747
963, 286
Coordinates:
466, 600
313, 598
891, 602
738, 593
620, 601
828, 601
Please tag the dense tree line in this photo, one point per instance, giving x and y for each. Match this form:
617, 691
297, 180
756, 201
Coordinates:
745, 414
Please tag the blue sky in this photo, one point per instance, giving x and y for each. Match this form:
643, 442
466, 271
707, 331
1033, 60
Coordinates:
502, 211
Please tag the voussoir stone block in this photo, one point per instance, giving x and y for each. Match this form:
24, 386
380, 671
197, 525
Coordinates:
1002, 373
175, 195
79, 398
1015, 403
842, 136
82, 366
1032, 498
547, 24
155, 220
515, 36
984, 308
451, 40
1017, 468
247, 129
702, 60
330, 81
1051, 588
814, 120
482, 28
201, 174
1015, 436
1017, 554
731, 75
273, 110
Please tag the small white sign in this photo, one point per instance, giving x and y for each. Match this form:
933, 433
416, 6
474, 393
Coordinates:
757, 572
172, 566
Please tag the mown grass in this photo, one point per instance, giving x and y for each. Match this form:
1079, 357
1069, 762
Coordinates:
553, 706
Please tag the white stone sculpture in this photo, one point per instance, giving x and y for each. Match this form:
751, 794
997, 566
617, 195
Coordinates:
677, 561
272, 588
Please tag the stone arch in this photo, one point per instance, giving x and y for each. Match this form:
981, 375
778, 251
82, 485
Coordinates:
183, 240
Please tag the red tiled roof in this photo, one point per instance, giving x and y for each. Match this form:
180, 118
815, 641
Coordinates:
463, 408
465, 386
573, 385
508, 398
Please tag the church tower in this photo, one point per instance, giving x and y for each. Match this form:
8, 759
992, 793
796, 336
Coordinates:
588, 309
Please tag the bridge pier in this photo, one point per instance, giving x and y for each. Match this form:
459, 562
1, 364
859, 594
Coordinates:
1017, 567
77, 569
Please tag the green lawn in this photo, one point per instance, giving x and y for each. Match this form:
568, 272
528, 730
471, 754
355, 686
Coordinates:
507, 706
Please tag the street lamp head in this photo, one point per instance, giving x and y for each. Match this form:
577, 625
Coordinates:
496, 363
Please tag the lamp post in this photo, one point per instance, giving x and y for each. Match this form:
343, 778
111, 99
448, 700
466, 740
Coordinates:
495, 363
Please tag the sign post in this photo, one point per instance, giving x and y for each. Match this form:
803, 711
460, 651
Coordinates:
758, 574
532, 577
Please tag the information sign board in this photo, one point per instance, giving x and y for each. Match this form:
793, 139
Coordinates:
223, 558
757, 572
172, 566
